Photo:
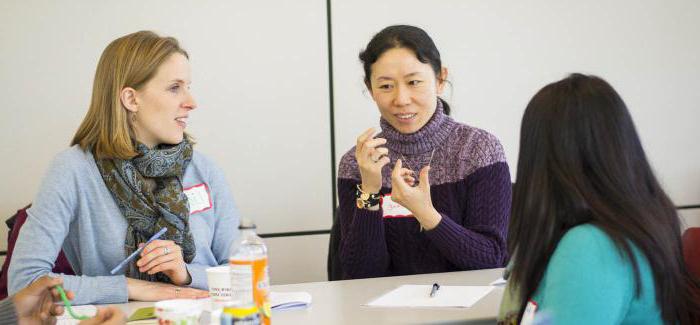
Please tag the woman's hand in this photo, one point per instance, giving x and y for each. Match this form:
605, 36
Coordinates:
371, 158
106, 316
164, 256
154, 291
414, 198
35, 303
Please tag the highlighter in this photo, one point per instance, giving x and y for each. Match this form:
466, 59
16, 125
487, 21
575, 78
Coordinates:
67, 304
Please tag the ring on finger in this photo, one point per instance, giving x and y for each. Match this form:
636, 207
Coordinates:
166, 250
378, 158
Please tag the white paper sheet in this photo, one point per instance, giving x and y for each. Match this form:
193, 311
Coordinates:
410, 295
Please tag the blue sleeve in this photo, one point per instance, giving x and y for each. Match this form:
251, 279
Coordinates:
587, 280
41, 238
225, 229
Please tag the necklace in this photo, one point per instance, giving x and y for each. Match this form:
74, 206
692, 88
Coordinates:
410, 166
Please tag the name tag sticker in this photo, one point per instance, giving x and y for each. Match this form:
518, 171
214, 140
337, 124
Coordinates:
198, 198
391, 209
529, 313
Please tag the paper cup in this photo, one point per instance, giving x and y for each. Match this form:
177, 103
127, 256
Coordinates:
178, 312
219, 281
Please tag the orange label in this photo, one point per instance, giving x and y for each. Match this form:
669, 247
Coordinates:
261, 285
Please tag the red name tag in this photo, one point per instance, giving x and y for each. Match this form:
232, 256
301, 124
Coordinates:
529, 313
198, 198
391, 209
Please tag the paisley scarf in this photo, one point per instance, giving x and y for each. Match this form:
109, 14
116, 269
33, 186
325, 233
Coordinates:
147, 210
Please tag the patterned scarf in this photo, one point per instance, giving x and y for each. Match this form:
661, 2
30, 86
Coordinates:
147, 211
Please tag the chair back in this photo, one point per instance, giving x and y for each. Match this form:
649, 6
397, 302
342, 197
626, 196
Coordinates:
333, 267
14, 224
691, 250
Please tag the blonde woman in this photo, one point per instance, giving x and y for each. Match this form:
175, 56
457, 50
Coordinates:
131, 171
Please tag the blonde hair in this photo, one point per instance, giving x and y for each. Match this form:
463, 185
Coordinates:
129, 61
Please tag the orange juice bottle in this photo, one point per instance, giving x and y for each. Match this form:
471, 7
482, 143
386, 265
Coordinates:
250, 282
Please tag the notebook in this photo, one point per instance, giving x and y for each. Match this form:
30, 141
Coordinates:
278, 301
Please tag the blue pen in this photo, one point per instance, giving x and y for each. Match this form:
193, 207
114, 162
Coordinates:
138, 251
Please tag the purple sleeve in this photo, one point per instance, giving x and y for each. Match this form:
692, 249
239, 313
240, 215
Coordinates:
480, 240
362, 250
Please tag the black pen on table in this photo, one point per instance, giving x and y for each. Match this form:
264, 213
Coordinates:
434, 289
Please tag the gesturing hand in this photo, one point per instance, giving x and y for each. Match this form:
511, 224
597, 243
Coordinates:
414, 198
164, 256
370, 159
35, 303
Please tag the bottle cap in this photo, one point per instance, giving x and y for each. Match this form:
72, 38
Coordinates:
246, 224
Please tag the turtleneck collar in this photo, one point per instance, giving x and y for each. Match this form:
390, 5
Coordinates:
430, 136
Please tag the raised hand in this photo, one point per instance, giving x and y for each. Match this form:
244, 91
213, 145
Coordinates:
371, 157
414, 198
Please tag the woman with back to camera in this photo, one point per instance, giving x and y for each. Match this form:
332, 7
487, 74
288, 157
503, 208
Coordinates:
595, 239
444, 186
131, 171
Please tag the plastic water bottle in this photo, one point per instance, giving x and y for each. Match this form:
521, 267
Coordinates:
250, 282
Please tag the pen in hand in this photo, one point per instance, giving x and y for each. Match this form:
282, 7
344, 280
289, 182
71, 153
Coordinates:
138, 251
434, 289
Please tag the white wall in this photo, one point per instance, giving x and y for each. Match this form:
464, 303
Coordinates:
690, 218
260, 76
297, 259
499, 53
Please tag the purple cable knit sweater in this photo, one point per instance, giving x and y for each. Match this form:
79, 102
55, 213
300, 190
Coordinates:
469, 185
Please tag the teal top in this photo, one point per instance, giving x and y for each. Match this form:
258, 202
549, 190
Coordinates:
588, 281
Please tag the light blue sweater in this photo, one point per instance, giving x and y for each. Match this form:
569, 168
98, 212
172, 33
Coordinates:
587, 281
75, 211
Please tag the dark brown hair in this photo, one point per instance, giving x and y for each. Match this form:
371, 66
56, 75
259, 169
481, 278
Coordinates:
581, 161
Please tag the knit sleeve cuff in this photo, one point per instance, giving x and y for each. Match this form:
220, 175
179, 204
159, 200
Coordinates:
369, 223
8, 315
446, 231
465, 248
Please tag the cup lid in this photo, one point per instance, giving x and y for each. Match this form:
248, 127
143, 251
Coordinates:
179, 306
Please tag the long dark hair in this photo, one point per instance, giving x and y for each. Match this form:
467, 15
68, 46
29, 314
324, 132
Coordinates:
581, 161
408, 37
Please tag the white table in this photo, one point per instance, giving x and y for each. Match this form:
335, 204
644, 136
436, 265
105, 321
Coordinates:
340, 302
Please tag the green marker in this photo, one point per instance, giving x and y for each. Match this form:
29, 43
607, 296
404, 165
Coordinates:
66, 302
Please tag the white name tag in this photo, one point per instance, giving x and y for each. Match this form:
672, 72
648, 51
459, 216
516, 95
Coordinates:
529, 313
391, 209
198, 197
